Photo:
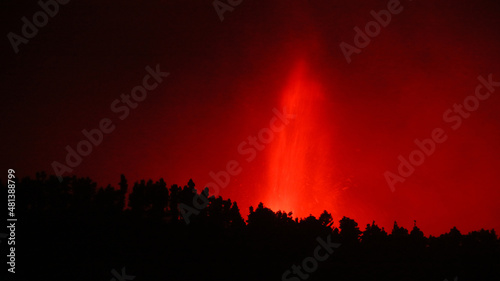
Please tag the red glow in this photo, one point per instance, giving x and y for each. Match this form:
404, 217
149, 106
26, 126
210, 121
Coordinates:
298, 161
353, 119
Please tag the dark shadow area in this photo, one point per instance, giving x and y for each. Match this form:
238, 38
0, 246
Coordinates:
73, 230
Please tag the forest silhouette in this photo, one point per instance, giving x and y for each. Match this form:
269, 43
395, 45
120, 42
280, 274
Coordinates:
75, 230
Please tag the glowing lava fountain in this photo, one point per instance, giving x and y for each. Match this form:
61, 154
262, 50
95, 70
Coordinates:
300, 170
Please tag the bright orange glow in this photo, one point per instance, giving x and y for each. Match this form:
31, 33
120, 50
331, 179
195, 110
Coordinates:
299, 169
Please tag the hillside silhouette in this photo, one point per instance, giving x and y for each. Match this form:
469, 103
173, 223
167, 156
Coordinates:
75, 230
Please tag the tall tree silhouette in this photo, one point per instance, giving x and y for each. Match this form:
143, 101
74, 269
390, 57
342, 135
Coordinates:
349, 231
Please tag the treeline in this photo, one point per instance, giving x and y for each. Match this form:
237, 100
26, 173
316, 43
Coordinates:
148, 233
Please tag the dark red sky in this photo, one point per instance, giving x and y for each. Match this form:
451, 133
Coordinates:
353, 119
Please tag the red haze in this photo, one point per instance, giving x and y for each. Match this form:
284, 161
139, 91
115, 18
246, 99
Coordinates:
353, 120
299, 165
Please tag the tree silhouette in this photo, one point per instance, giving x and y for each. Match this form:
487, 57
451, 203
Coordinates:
150, 235
349, 231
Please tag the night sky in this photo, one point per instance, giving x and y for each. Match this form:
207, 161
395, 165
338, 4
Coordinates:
227, 79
